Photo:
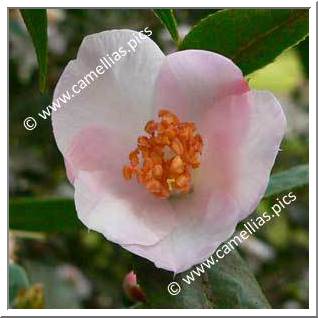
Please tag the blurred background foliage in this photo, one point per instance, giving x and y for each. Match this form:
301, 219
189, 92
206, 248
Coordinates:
81, 269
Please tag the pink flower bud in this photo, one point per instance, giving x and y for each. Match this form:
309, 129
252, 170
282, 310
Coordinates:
131, 288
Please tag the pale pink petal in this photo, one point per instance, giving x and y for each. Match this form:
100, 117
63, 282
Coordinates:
260, 147
204, 222
124, 212
96, 148
190, 81
119, 99
242, 137
242, 134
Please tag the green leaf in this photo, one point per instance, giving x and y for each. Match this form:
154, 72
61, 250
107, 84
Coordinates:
17, 280
227, 284
303, 50
251, 38
287, 180
36, 23
154, 282
167, 18
43, 215
233, 285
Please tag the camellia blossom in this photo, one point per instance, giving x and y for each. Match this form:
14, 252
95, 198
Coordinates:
166, 153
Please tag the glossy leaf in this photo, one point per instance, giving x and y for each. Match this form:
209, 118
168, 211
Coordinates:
227, 284
288, 179
167, 18
233, 285
36, 23
17, 280
303, 50
251, 38
157, 295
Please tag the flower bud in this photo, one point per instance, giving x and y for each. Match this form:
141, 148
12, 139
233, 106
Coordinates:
131, 288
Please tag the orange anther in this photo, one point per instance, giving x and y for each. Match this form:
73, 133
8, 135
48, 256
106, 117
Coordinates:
148, 163
177, 146
157, 171
182, 181
133, 157
163, 161
128, 172
151, 127
156, 158
154, 186
170, 132
177, 165
168, 117
143, 141
195, 160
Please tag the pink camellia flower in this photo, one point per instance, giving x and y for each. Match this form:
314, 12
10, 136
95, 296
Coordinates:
166, 153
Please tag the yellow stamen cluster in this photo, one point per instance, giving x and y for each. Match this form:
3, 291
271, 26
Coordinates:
164, 159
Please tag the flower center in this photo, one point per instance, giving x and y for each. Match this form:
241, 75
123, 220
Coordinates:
164, 159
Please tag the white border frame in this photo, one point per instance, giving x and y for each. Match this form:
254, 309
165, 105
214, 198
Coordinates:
5, 4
